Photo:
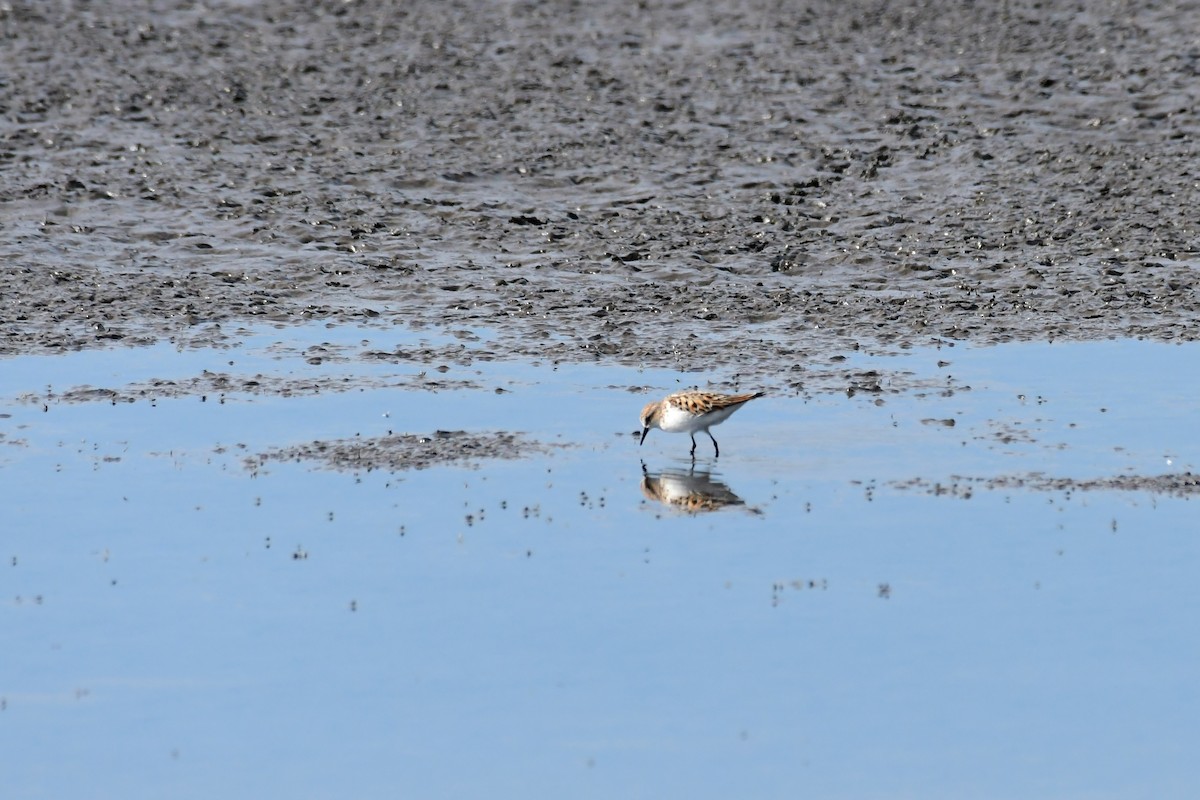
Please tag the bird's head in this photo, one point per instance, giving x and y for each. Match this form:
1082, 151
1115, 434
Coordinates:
650, 419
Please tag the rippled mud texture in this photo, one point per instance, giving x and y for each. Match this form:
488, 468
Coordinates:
671, 184
401, 452
222, 385
1179, 484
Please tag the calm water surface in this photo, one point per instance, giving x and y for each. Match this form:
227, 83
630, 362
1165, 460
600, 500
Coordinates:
177, 625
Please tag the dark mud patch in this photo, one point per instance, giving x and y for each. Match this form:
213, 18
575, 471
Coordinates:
1182, 484
218, 386
718, 186
435, 368
5, 440
403, 452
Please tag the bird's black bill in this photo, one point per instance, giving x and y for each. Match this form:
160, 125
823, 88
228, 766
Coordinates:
644, 432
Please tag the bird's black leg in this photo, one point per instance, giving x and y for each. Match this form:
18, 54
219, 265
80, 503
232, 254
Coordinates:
693, 453
716, 448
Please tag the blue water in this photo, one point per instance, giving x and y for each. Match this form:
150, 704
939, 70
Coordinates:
176, 625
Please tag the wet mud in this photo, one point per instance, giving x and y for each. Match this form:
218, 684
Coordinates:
1180, 484
754, 187
218, 386
673, 183
401, 452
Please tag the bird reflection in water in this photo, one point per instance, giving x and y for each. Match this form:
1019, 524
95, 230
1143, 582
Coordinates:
692, 491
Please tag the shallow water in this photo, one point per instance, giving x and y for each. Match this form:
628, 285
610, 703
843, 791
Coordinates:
869, 611
372, 559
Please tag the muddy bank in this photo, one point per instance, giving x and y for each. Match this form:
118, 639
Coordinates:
670, 184
401, 452
1177, 484
218, 386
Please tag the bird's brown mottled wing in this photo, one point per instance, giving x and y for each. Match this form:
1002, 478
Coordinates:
697, 403
726, 400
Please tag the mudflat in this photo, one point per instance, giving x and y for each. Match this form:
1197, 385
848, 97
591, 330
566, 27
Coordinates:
671, 184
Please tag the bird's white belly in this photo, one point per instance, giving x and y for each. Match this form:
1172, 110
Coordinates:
676, 420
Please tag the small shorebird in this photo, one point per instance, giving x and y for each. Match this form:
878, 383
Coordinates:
688, 412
